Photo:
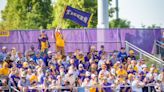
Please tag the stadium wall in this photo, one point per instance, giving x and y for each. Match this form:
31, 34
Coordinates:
83, 38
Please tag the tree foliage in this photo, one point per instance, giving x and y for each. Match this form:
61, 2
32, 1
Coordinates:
120, 23
153, 26
27, 14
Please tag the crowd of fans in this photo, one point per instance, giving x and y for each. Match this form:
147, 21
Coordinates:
96, 71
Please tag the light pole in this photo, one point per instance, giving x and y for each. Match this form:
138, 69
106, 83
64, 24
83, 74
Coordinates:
117, 10
103, 21
103, 15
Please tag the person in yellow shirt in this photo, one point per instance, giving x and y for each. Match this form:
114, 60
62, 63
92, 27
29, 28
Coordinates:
81, 58
34, 79
133, 65
60, 43
154, 67
43, 42
4, 70
116, 65
25, 65
121, 72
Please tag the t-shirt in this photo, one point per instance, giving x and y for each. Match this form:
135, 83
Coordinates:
96, 58
132, 57
132, 72
2, 56
121, 55
100, 63
33, 78
81, 72
4, 71
107, 89
19, 65
101, 52
13, 78
105, 72
47, 60
36, 59
26, 83
121, 72
135, 88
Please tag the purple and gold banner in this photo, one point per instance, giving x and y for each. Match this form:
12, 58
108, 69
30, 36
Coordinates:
80, 17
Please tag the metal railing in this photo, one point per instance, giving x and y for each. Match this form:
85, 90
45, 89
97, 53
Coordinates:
159, 49
142, 52
75, 89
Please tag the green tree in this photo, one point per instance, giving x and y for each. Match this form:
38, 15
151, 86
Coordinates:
27, 14
84, 5
153, 26
120, 23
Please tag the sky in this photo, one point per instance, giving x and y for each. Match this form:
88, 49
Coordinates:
138, 12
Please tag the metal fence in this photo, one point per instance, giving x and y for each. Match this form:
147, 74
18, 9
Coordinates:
143, 54
159, 49
152, 87
149, 88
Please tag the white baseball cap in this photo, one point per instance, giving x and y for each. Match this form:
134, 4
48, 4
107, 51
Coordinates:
144, 66
87, 73
49, 52
93, 75
4, 47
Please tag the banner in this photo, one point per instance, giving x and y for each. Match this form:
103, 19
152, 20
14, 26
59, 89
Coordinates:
4, 33
80, 17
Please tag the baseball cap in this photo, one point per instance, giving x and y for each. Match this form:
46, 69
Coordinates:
120, 66
141, 72
131, 51
25, 64
4, 47
87, 73
93, 75
122, 48
80, 65
49, 52
13, 48
144, 66
70, 72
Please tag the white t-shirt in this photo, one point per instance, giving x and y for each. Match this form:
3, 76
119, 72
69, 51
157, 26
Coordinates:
100, 63
86, 84
135, 88
105, 72
139, 68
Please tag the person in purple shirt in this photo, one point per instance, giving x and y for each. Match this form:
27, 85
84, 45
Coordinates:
19, 64
86, 59
131, 55
106, 84
81, 72
96, 57
131, 71
101, 51
47, 58
72, 63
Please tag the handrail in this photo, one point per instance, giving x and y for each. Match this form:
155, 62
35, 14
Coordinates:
158, 43
95, 86
144, 52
